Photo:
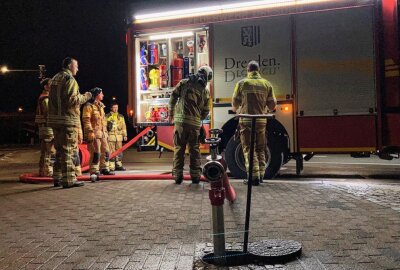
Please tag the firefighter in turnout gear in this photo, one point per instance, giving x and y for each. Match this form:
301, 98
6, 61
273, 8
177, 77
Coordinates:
95, 133
252, 95
64, 117
116, 128
46, 136
188, 106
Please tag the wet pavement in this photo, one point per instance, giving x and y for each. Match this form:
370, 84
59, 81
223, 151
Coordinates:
342, 223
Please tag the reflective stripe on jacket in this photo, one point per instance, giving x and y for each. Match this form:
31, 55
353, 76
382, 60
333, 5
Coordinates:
189, 103
118, 127
93, 118
41, 116
65, 100
252, 95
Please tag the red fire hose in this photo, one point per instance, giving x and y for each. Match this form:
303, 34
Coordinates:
85, 156
34, 178
230, 192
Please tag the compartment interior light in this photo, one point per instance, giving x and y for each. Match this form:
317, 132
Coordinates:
171, 35
220, 9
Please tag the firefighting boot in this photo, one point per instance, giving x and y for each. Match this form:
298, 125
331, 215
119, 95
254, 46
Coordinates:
178, 179
121, 168
75, 184
255, 182
57, 182
107, 172
195, 180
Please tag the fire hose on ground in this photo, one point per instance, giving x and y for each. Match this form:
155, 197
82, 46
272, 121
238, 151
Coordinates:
85, 157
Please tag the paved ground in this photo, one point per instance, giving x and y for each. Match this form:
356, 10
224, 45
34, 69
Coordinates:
341, 223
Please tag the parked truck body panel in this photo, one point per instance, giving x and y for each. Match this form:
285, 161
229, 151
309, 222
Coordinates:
333, 66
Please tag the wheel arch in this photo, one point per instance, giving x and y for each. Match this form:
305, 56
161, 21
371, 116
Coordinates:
275, 130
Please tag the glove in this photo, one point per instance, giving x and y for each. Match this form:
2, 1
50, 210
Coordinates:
109, 126
88, 95
90, 136
202, 135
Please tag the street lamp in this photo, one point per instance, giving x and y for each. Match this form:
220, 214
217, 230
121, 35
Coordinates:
4, 69
41, 69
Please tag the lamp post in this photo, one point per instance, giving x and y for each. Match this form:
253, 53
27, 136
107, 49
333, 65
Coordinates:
41, 70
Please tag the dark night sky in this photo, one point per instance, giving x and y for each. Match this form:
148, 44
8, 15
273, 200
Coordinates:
36, 32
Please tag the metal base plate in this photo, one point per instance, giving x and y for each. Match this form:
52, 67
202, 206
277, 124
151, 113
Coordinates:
274, 251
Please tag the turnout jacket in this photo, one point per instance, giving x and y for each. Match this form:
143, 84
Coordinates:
116, 127
93, 118
42, 110
189, 102
65, 100
252, 95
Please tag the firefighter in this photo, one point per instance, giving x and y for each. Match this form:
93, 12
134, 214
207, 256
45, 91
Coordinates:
116, 128
252, 95
188, 106
64, 117
95, 133
46, 136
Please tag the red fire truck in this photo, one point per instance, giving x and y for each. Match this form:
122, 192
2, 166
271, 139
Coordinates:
334, 66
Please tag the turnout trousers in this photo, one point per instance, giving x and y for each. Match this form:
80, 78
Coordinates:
115, 162
47, 154
186, 135
65, 139
260, 144
99, 155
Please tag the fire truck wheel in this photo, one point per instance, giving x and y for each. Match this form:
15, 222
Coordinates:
235, 160
275, 156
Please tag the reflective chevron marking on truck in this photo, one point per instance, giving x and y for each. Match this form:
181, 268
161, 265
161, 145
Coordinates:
391, 69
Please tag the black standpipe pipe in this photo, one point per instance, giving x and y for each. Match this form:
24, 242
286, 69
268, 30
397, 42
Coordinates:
253, 118
249, 185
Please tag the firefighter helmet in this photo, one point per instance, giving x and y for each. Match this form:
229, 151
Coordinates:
95, 92
207, 71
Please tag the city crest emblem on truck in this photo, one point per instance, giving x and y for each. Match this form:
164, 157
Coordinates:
250, 35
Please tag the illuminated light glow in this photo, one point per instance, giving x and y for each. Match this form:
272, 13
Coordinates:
171, 35
221, 9
4, 69
20, 109
286, 108
113, 98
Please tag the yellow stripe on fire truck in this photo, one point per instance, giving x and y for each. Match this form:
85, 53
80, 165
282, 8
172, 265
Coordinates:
391, 69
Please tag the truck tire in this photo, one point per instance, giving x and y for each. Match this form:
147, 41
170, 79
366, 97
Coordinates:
235, 160
276, 146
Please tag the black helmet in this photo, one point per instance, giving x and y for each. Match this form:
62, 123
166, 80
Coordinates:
95, 92
206, 71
